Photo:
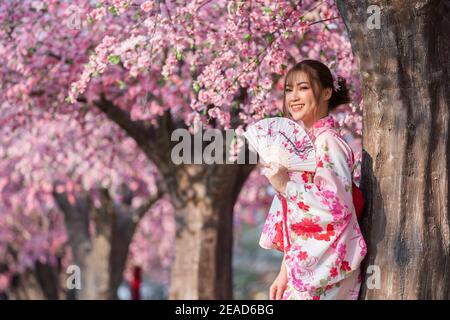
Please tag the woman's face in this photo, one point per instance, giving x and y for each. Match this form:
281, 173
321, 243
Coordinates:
301, 102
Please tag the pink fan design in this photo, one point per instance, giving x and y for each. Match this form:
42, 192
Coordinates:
282, 141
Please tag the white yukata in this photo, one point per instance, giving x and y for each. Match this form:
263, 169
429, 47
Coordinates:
316, 226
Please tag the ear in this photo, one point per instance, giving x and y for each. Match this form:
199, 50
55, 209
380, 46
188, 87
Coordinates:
327, 93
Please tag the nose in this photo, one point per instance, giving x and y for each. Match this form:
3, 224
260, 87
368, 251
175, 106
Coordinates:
295, 96
296, 91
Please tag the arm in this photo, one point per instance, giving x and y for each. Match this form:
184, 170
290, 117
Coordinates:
279, 285
283, 265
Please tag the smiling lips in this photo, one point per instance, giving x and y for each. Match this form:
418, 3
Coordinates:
297, 107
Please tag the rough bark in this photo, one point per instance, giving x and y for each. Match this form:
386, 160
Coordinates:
405, 67
204, 198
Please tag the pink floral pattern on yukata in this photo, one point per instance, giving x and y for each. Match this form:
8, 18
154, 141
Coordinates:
319, 232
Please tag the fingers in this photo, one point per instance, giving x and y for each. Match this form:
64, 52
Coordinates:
263, 163
270, 169
272, 292
280, 292
276, 292
267, 171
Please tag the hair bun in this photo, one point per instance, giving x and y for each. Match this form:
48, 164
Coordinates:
340, 95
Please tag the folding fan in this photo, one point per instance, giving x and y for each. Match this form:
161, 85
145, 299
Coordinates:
282, 141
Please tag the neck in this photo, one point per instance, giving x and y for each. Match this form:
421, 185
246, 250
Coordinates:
310, 124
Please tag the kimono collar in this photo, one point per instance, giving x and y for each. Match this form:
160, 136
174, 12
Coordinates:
321, 125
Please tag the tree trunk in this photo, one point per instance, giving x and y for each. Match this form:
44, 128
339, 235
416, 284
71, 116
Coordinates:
43, 282
405, 68
101, 253
204, 198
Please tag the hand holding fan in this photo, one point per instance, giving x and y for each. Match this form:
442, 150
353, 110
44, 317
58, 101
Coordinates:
282, 141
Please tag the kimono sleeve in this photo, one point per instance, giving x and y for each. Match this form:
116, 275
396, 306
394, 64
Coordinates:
272, 236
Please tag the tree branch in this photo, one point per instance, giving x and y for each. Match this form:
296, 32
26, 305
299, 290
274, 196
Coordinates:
154, 142
139, 212
140, 131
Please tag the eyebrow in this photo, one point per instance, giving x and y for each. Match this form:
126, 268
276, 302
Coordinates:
288, 85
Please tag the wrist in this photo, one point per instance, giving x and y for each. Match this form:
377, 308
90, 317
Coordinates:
282, 189
283, 264
283, 269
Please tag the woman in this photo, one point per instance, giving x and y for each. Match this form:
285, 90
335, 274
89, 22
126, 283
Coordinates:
313, 219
